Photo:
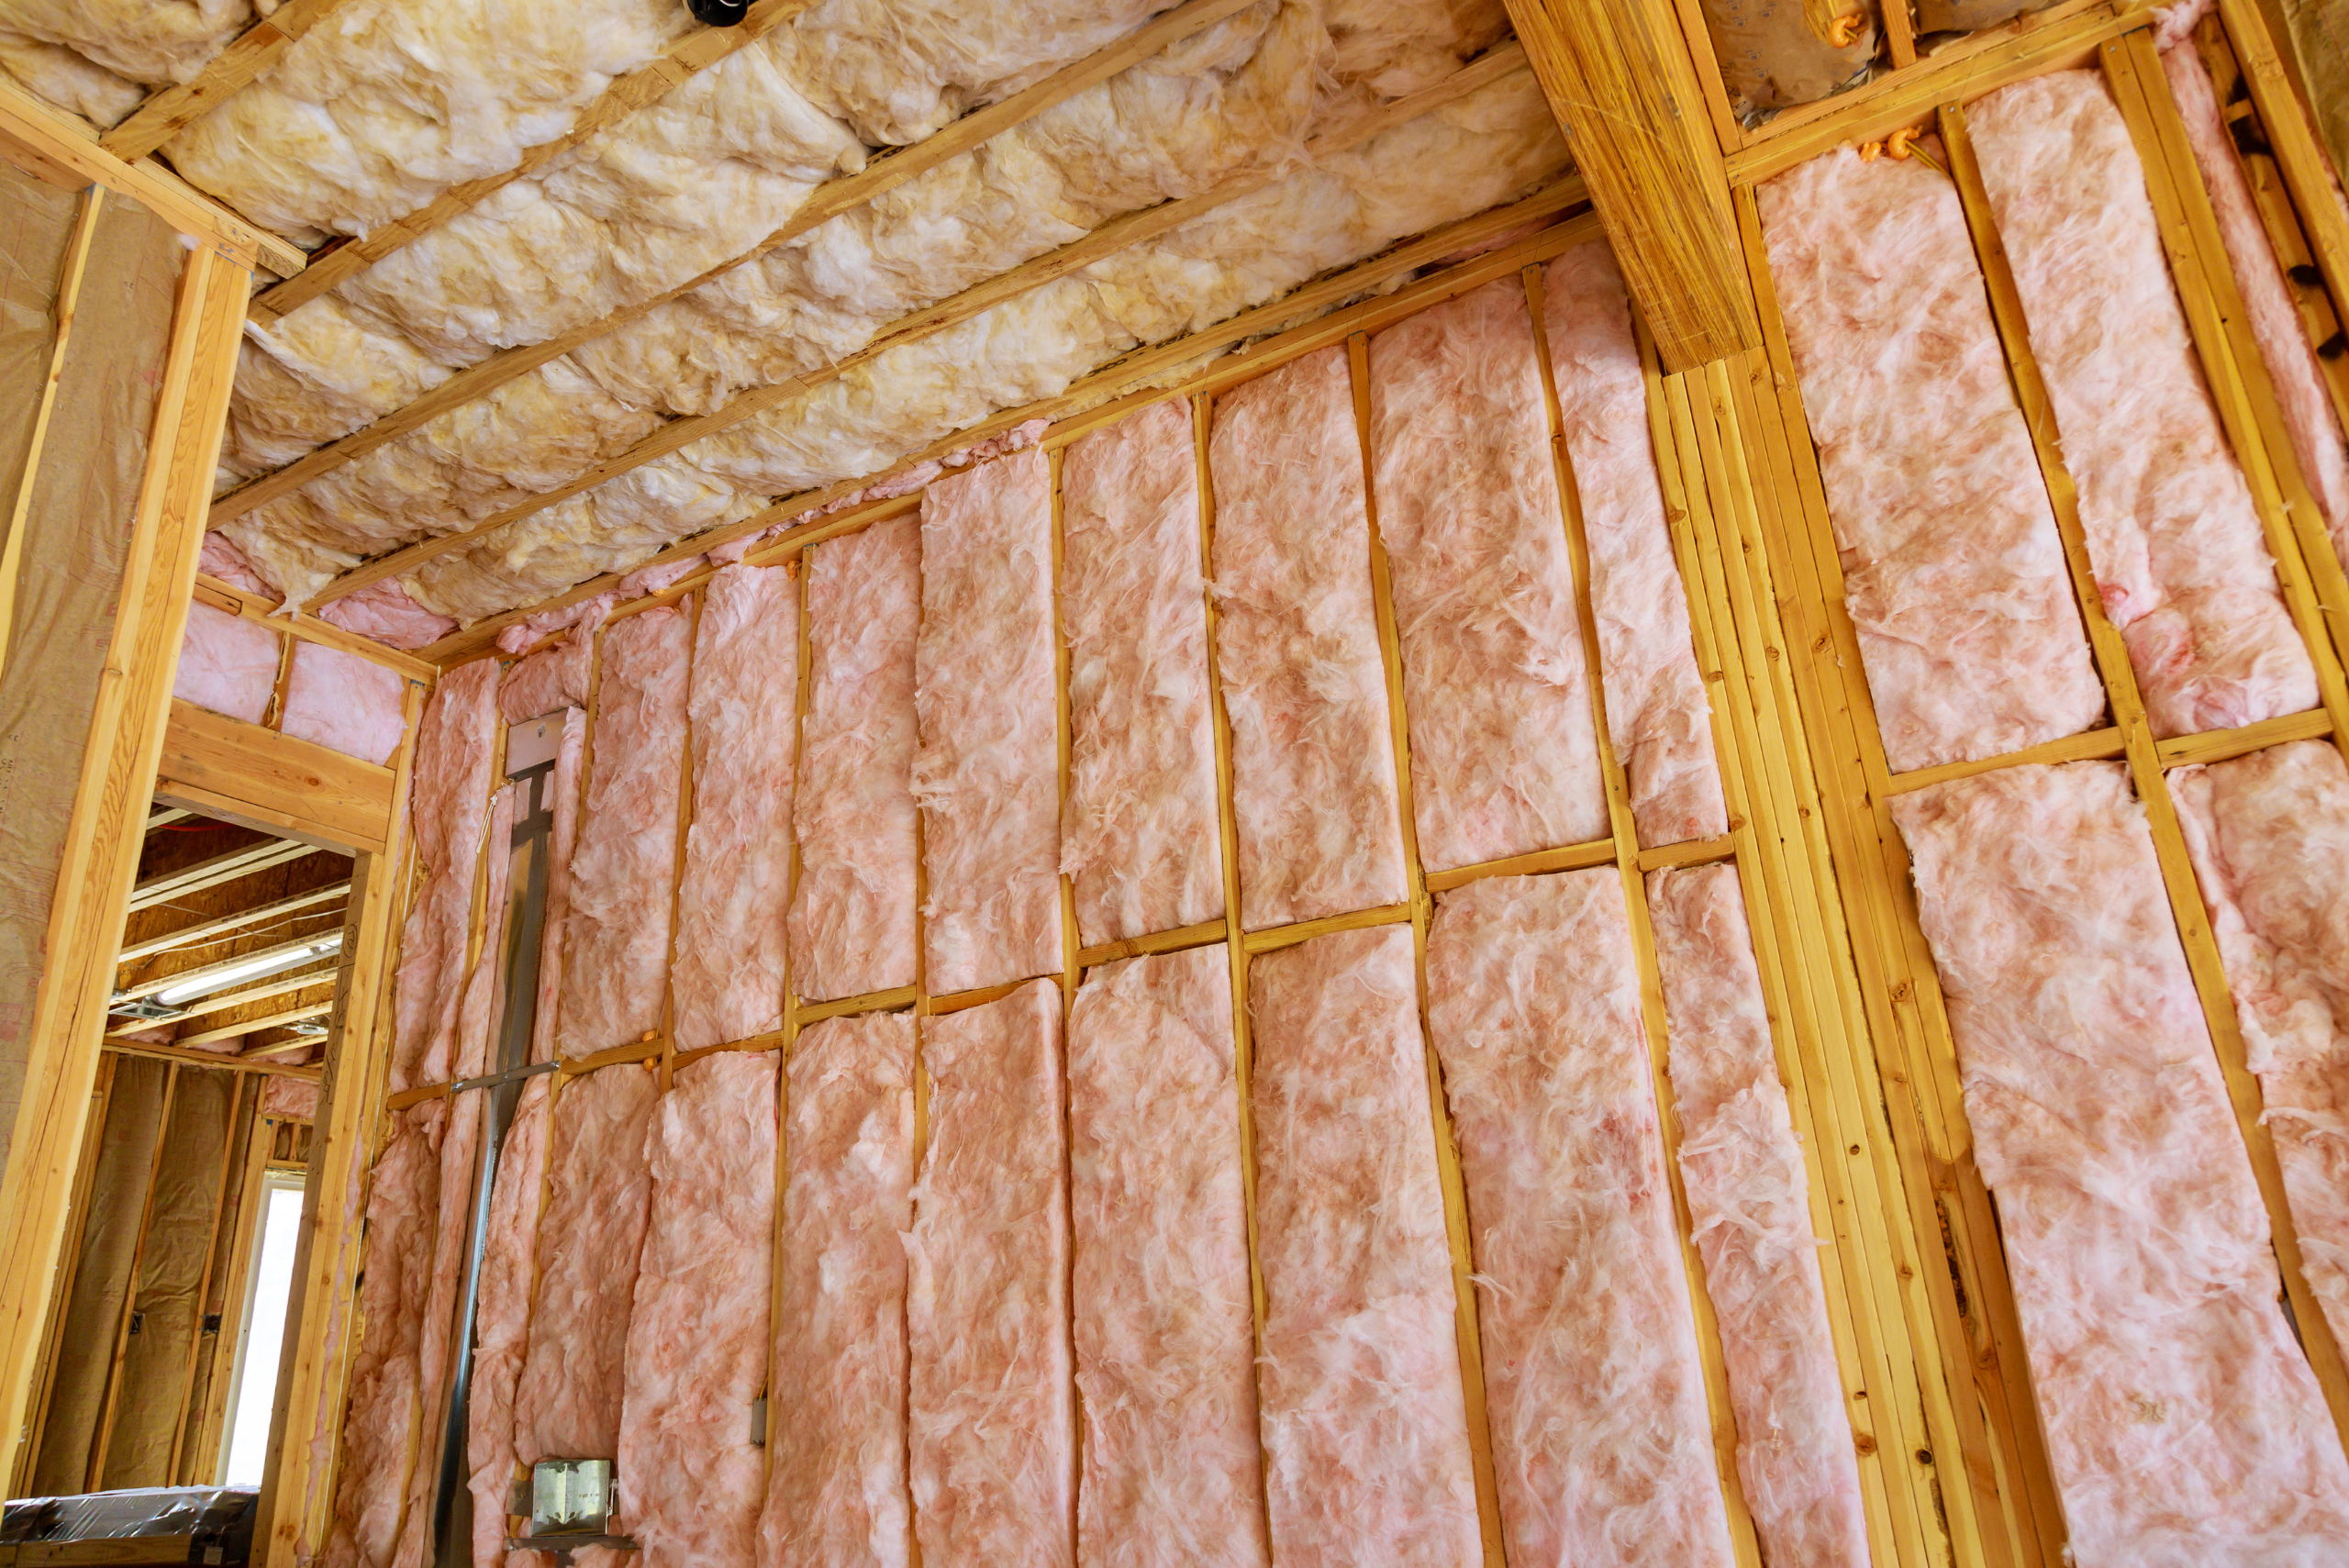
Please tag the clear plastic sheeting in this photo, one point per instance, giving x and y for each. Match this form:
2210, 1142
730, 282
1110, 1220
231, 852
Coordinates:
212, 1518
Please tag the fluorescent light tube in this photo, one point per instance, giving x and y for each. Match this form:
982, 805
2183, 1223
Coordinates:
255, 969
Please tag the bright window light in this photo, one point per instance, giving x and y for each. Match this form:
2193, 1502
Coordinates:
263, 1332
273, 964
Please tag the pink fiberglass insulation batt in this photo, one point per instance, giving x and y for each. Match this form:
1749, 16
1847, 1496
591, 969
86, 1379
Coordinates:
1657, 712
697, 1332
2176, 542
449, 795
1602, 1443
1749, 1201
551, 678
562, 785
478, 1012
1296, 645
502, 1319
836, 1419
2269, 834
2310, 421
852, 913
228, 665
2184, 1426
992, 1433
624, 863
1953, 568
293, 1098
342, 701
436, 1341
1139, 834
1504, 741
403, 1202
1165, 1324
984, 685
727, 980
1365, 1422
567, 1405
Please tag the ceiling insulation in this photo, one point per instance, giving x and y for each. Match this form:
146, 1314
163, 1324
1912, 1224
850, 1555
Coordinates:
377, 111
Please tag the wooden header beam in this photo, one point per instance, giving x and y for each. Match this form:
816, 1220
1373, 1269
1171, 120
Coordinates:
1620, 80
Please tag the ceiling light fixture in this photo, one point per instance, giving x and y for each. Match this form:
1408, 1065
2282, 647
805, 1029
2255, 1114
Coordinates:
275, 963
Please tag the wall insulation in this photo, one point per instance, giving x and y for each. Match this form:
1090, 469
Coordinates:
501, 1319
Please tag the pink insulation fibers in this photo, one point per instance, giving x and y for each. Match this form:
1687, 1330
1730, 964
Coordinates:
1364, 1420
221, 560
345, 702
1953, 569
563, 787
447, 798
438, 1337
1504, 743
1140, 838
1657, 712
482, 1008
836, 1413
502, 1319
554, 677
403, 1202
2184, 1426
651, 580
2310, 421
295, 1099
1749, 1201
1296, 645
591, 1233
624, 863
2179, 556
2269, 834
384, 611
1165, 1324
727, 980
852, 913
228, 665
581, 619
698, 1334
992, 1430
988, 775
1593, 1388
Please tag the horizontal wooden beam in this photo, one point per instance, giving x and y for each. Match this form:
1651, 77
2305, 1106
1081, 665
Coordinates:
215, 871
871, 1002
2106, 741
1689, 852
1176, 940
191, 935
1094, 401
220, 1002
221, 1059
240, 771
165, 114
43, 140
1275, 936
1958, 74
273, 1020
340, 260
1119, 234
882, 175
1620, 82
2219, 745
166, 817
1572, 857
263, 610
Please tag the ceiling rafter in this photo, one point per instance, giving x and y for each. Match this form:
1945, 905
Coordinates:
884, 173
341, 260
1119, 234
167, 112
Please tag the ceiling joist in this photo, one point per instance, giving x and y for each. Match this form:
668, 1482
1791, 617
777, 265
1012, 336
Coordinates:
698, 51
168, 112
179, 883
1117, 233
884, 173
191, 936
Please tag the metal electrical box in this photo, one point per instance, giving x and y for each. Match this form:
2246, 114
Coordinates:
571, 1497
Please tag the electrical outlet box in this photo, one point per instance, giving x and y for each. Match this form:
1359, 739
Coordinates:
571, 1497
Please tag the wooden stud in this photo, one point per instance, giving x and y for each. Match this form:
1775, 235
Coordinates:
187, 1056
1419, 911
1699, 38
243, 1098
2306, 169
1624, 832
68, 1267
1620, 80
252, 1203
109, 803
2201, 947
